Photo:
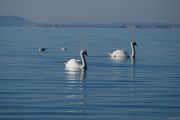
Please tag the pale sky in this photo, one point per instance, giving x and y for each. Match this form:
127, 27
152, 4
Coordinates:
94, 11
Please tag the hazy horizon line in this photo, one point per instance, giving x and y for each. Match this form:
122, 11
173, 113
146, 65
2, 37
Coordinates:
92, 23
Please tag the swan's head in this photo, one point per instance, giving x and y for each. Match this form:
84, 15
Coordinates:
133, 43
83, 52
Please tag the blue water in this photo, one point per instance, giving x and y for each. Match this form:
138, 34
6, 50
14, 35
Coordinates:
36, 86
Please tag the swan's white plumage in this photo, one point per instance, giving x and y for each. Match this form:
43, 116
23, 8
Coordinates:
118, 53
121, 54
74, 64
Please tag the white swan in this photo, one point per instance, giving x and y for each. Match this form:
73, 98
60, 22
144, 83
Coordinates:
121, 54
77, 64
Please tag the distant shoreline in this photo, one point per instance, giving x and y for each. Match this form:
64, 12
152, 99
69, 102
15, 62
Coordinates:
128, 26
16, 21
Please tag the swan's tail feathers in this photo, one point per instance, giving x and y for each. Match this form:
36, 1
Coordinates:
65, 63
109, 54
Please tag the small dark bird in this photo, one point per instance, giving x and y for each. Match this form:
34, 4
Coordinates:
42, 49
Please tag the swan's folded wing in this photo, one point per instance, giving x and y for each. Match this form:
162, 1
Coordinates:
73, 64
119, 53
73, 61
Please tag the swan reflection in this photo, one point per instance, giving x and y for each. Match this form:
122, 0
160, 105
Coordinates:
123, 59
133, 69
130, 62
133, 60
117, 58
74, 75
76, 95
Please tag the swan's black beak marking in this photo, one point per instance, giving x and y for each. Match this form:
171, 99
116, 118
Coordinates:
85, 53
135, 44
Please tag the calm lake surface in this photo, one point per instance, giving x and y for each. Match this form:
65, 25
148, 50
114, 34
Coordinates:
35, 85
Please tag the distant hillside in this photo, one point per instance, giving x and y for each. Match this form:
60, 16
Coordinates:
14, 21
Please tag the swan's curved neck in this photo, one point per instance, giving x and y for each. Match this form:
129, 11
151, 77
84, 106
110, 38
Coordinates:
133, 53
84, 65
